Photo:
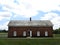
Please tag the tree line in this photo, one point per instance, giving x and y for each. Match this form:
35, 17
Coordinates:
3, 31
56, 31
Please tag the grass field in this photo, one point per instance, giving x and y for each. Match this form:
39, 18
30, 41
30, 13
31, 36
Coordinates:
3, 35
29, 41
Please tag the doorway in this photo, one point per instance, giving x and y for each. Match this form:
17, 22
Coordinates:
29, 33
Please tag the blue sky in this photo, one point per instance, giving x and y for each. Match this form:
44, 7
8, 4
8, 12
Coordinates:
24, 9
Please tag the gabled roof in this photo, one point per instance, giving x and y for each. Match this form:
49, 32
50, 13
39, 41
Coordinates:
30, 23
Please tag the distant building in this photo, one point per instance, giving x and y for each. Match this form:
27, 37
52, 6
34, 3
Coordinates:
32, 28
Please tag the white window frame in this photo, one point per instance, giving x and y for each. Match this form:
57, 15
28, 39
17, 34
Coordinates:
46, 33
38, 33
14, 33
24, 33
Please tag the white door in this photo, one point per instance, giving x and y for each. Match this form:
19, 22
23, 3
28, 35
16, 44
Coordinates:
24, 33
46, 33
14, 33
38, 33
30, 33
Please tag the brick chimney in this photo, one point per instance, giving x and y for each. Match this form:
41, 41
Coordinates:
30, 18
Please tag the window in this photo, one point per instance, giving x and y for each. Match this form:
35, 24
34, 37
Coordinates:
46, 33
14, 33
38, 33
30, 33
24, 33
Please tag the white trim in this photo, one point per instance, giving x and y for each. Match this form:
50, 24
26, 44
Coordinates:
38, 33
24, 33
46, 33
14, 33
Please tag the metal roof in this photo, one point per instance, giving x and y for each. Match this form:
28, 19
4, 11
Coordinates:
30, 23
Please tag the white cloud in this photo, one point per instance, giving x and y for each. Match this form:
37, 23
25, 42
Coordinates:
55, 19
1, 18
29, 8
49, 16
4, 26
56, 22
5, 15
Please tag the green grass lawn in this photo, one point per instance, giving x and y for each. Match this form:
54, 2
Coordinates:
56, 35
30, 41
3, 35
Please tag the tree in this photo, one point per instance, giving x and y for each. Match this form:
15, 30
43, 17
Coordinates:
56, 31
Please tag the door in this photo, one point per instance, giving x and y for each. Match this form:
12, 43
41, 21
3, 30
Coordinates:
29, 33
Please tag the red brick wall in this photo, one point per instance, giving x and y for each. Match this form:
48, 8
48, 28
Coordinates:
34, 30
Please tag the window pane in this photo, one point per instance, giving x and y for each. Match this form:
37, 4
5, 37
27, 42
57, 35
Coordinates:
14, 33
46, 33
24, 33
30, 33
38, 33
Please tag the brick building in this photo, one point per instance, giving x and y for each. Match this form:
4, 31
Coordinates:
32, 28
